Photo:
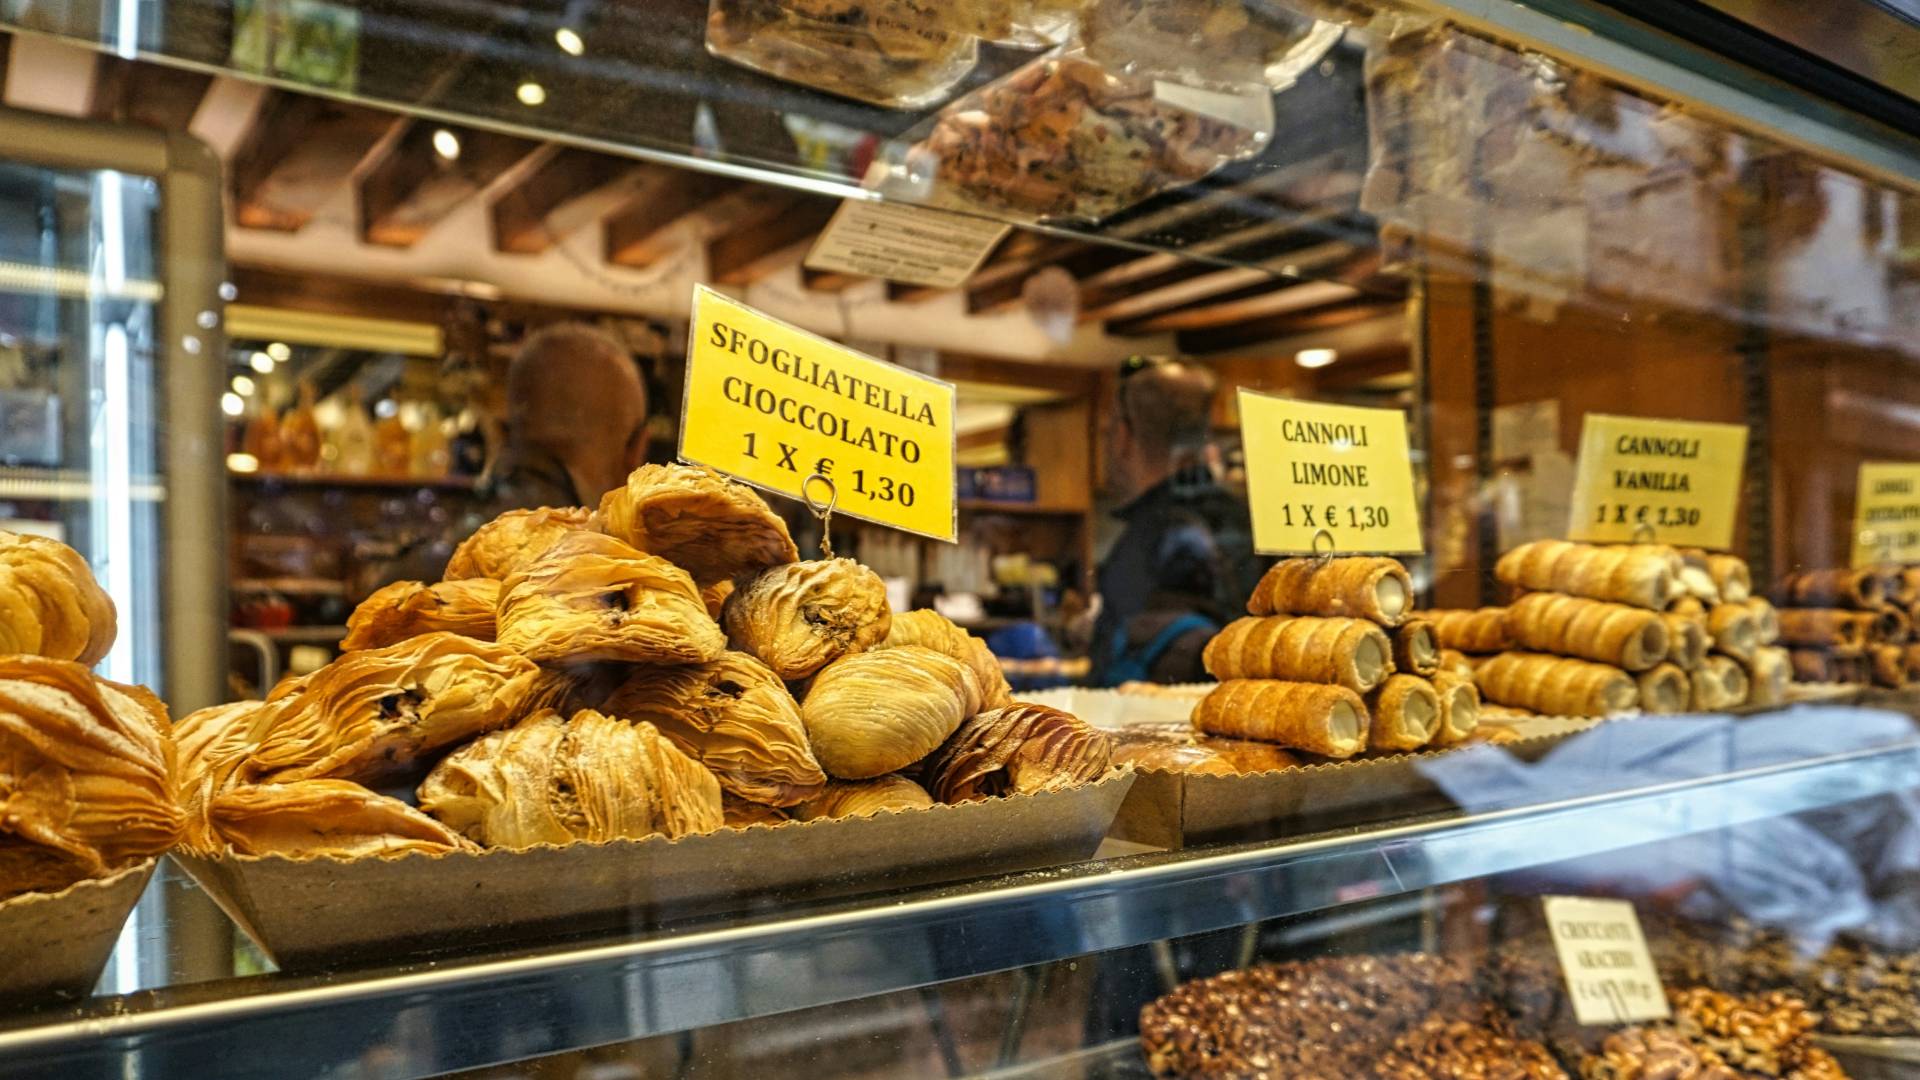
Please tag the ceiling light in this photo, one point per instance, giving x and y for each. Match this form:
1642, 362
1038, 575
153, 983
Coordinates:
231, 404
385, 408
447, 144
531, 94
569, 41
243, 385
280, 352
242, 463
1315, 358
261, 362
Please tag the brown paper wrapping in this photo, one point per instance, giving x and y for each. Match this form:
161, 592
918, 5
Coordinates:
1366, 587
1327, 720
1556, 685
1832, 629
1406, 714
1719, 683
1630, 638
53, 946
1642, 575
1686, 639
1416, 651
1732, 629
1471, 630
1664, 688
1354, 653
1460, 708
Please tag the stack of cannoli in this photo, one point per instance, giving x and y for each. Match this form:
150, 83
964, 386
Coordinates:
1852, 626
1601, 630
1332, 660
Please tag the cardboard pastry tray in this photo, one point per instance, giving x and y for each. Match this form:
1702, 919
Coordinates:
308, 912
54, 945
1867, 1057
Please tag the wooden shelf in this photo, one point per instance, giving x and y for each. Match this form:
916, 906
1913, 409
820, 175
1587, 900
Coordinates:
343, 480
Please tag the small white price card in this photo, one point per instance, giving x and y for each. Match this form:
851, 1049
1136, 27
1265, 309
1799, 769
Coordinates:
907, 244
1604, 956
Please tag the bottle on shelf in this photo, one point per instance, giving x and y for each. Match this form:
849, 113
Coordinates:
349, 437
300, 432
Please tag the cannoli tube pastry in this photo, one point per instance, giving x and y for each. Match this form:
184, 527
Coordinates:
1768, 674
1837, 587
1815, 665
1695, 578
1459, 708
1471, 630
1825, 628
1731, 626
1406, 714
1353, 653
1415, 650
1327, 720
1686, 639
1458, 663
1889, 665
1627, 637
1689, 606
1491, 712
1664, 688
1556, 685
1731, 577
1766, 620
1891, 626
1637, 574
1913, 662
1368, 588
1719, 683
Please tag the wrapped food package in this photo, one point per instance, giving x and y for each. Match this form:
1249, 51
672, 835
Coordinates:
891, 53
1219, 44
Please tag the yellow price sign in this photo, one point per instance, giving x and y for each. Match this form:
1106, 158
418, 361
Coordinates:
1332, 468
772, 404
1886, 513
1677, 481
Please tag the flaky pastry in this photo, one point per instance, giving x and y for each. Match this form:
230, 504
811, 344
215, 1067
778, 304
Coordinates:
512, 540
592, 597
878, 712
735, 717
798, 617
711, 526
739, 813
930, 629
406, 609
715, 597
861, 798
1018, 750
86, 775
50, 605
321, 817
592, 778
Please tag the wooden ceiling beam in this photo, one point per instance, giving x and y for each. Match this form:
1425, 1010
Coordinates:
829, 281
150, 95
562, 176
751, 250
1066, 381
1001, 291
295, 155
1346, 280
1357, 367
412, 187
1253, 331
642, 230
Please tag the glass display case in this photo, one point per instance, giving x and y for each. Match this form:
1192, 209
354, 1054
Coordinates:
478, 596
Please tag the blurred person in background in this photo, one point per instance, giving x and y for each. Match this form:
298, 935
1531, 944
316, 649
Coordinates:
1183, 564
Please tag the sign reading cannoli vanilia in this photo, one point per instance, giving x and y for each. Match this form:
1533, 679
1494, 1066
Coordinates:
1886, 513
1658, 481
1328, 472
776, 406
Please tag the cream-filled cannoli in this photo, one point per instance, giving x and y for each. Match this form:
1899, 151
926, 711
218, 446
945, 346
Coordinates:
1406, 714
1637, 574
1471, 630
1353, 653
1365, 587
1627, 637
1415, 649
1664, 688
1556, 685
1459, 708
1832, 629
1731, 627
1320, 719
1719, 683
1768, 674
1686, 639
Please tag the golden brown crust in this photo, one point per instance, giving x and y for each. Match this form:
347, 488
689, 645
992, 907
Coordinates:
712, 527
1664, 688
1889, 663
203, 739
740, 814
1627, 637
1460, 708
86, 775
1354, 653
1201, 755
502, 546
930, 629
1839, 587
1457, 662
1406, 714
1017, 750
1642, 575
735, 717
50, 605
1416, 648
715, 597
878, 712
591, 778
864, 798
1718, 683
1556, 685
1833, 629
1320, 719
406, 609
322, 817
1471, 630
591, 597
1731, 576
1770, 673
798, 617
1366, 587
1687, 639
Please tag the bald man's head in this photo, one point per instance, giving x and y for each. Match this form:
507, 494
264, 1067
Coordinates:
574, 393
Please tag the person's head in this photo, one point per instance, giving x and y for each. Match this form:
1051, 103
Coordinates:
574, 393
1162, 413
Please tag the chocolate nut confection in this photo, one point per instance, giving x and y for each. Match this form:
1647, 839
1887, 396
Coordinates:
799, 617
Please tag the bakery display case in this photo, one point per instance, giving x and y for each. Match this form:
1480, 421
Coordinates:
1004, 538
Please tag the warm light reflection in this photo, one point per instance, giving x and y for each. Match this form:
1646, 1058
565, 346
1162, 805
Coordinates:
446, 144
531, 94
261, 362
1315, 358
280, 352
569, 41
243, 386
231, 404
242, 463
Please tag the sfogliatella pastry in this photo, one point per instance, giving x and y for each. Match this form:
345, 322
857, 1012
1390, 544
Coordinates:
1416, 649
86, 776
1460, 708
1627, 637
1406, 714
319, 817
1470, 630
738, 813
373, 714
878, 712
1638, 574
1556, 685
1664, 688
50, 605
1018, 750
1354, 653
863, 798
929, 628
1364, 587
502, 546
798, 617
405, 609
715, 597
1197, 754
1320, 719
1719, 683
735, 717
591, 597
589, 778
201, 739
712, 527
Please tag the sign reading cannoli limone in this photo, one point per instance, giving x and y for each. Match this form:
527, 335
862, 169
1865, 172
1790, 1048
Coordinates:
1335, 469
1886, 513
1603, 954
773, 405
1668, 481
